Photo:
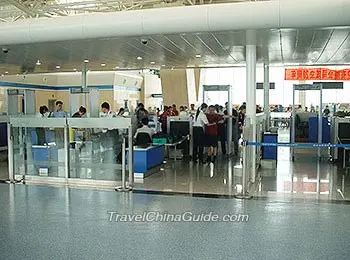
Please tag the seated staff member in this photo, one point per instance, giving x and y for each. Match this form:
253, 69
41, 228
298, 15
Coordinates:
200, 120
81, 112
211, 133
145, 128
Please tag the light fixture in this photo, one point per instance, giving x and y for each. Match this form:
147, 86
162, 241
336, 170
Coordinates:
58, 67
152, 62
75, 70
38, 63
198, 56
103, 64
163, 65
6, 72
86, 61
139, 58
116, 67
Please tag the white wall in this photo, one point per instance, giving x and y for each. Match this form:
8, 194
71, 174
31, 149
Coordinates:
152, 85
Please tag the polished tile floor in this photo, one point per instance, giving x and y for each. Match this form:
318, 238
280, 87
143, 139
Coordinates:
307, 177
40, 222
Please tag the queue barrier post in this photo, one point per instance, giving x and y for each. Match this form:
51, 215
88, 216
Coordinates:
124, 187
244, 194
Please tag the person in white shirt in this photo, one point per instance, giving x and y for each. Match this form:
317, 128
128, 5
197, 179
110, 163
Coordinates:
111, 136
200, 120
183, 112
145, 128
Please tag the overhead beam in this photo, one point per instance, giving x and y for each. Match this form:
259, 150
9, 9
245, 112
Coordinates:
25, 9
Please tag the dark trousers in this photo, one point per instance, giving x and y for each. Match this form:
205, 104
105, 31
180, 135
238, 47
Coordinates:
222, 137
40, 132
198, 143
111, 139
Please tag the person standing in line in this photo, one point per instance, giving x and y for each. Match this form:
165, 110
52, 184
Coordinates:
164, 118
200, 120
222, 126
192, 110
241, 119
211, 132
174, 111
326, 111
183, 112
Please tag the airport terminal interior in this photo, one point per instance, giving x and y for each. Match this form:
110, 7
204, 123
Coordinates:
170, 114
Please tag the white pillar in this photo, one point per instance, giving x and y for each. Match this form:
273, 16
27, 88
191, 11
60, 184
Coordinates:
266, 94
229, 128
251, 98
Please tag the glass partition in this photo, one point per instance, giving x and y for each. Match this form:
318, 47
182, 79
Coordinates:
95, 148
38, 146
74, 149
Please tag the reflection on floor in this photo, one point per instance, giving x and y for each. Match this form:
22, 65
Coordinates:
306, 177
61, 223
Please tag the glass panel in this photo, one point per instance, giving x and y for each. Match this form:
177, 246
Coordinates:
95, 154
38, 151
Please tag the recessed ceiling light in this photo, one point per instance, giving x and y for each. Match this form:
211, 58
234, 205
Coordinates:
74, 69
103, 64
58, 67
198, 56
116, 67
152, 62
86, 61
38, 63
139, 58
163, 65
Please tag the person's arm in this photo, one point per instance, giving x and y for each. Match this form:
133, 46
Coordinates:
205, 119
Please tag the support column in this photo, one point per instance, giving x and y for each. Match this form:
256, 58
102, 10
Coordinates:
83, 83
266, 94
229, 125
251, 99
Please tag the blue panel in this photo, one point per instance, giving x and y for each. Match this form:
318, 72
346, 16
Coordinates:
3, 134
34, 136
270, 152
44, 154
313, 130
140, 161
147, 159
155, 156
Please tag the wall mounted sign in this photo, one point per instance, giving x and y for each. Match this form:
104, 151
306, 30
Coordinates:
316, 74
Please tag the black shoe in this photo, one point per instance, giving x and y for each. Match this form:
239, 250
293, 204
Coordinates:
213, 159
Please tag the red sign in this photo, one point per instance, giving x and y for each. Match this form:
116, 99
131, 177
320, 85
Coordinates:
316, 74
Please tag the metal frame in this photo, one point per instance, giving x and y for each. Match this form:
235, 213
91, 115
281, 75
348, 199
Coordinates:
307, 87
183, 119
228, 88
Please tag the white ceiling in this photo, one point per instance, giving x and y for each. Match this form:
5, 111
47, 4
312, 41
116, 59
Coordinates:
287, 47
